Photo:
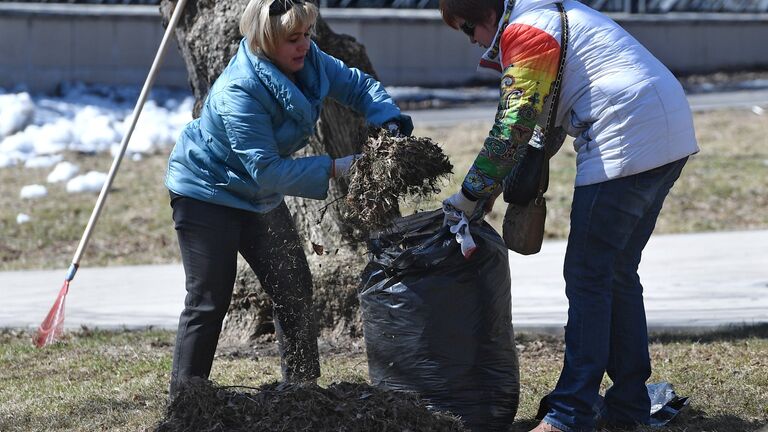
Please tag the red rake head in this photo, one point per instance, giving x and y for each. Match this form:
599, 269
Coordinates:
53, 325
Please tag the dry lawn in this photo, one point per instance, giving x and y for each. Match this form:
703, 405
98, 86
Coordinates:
117, 381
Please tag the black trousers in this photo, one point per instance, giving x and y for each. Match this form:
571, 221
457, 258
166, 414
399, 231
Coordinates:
210, 236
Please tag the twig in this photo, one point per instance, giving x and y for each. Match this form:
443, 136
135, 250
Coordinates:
324, 209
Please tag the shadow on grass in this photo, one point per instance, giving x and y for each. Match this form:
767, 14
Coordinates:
721, 423
692, 419
689, 419
726, 333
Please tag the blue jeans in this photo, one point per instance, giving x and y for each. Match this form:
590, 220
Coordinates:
611, 223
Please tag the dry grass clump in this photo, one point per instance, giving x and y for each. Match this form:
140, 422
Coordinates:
204, 406
392, 168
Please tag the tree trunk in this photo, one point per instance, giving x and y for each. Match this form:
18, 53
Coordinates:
208, 37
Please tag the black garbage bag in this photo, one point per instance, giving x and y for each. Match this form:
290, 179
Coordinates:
439, 324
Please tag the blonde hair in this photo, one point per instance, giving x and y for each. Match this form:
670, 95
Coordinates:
265, 32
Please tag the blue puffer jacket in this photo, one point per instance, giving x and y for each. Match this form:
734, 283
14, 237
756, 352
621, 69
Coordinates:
238, 153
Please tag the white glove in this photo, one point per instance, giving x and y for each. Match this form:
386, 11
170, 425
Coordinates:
459, 226
340, 167
460, 202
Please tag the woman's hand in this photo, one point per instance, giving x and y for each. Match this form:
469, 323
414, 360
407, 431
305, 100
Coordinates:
461, 203
402, 125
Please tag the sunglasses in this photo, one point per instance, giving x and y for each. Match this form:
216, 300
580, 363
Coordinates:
279, 7
468, 28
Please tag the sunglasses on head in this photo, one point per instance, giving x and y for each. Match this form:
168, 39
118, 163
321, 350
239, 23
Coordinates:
279, 7
468, 28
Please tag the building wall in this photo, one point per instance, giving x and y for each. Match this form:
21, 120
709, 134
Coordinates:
42, 45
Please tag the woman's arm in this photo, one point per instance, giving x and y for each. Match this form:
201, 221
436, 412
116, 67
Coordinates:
530, 58
249, 130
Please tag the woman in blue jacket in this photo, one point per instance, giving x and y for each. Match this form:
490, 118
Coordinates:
231, 168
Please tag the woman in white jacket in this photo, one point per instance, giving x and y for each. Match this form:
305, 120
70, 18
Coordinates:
633, 134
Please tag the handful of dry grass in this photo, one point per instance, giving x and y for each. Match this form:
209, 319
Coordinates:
391, 168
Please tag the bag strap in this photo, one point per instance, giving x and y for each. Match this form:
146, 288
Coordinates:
549, 126
564, 38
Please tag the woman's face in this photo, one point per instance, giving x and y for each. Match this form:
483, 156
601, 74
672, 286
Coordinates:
480, 33
290, 52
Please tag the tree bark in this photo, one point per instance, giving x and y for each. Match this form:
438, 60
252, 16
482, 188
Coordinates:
208, 37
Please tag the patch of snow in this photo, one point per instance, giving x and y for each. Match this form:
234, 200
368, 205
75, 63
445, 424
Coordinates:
156, 129
17, 148
53, 137
93, 131
6, 160
16, 112
22, 218
33, 191
91, 182
62, 172
87, 118
43, 161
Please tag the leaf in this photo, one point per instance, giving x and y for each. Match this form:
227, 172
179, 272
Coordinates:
318, 249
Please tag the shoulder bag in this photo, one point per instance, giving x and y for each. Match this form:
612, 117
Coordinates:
524, 188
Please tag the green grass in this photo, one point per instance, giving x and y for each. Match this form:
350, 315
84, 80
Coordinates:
117, 381
722, 188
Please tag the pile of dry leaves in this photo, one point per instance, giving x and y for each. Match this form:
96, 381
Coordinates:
204, 407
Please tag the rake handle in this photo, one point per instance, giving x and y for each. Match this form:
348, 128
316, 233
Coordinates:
124, 144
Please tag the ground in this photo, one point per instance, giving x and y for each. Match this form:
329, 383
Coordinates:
117, 381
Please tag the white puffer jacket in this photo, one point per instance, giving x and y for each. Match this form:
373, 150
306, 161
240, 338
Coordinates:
626, 110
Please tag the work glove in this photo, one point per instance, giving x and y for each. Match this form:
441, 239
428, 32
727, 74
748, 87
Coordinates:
398, 126
458, 209
458, 224
340, 167
460, 203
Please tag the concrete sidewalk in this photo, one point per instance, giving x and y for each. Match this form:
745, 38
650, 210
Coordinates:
691, 280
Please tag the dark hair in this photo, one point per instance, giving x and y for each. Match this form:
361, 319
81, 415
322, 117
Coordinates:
474, 11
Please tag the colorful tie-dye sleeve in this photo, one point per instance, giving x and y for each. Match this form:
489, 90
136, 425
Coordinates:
530, 58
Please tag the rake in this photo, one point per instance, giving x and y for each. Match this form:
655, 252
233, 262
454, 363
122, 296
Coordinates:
53, 324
